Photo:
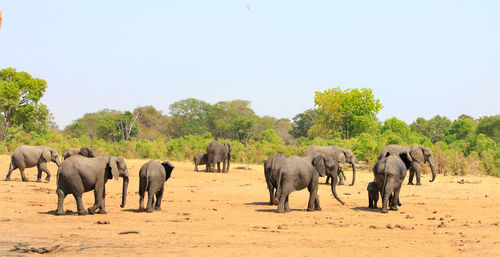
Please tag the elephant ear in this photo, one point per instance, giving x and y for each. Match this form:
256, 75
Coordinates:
168, 169
46, 155
319, 164
113, 165
406, 158
417, 154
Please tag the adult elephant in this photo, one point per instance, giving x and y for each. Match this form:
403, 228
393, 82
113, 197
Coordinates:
338, 154
217, 153
271, 167
152, 178
84, 151
298, 173
419, 154
200, 159
26, 156
390, 172
80, 174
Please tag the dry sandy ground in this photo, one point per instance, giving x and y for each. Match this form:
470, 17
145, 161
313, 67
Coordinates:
212, 214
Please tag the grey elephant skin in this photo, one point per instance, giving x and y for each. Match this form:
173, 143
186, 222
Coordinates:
419, 154
84, 151
372, 189
390, 172
298, 173
152, 178
26, 156
200, 159
80, 174
271, 167
219, 152
340, 155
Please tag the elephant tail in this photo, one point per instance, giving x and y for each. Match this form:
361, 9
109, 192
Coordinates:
383, 188
12, 164
278, 185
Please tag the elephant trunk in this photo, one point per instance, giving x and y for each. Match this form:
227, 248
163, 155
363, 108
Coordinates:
433, 170
353, 174
58, 162
333, 185
124, 191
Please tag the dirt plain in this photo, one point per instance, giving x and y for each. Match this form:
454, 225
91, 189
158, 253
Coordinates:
212, 214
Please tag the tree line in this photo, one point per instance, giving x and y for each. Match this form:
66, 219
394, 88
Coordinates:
347, 118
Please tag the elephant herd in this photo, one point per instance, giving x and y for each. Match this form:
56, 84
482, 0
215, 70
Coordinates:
284, 175
82, 170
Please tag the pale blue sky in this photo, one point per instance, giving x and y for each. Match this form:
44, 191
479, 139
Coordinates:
421, 58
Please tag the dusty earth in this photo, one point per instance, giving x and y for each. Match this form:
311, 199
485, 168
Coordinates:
212, 214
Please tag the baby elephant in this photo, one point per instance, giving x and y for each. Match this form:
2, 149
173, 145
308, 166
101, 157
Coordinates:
372, 194
152, 177
200, 159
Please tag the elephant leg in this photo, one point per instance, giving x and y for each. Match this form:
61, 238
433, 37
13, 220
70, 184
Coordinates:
328, 177
224, 166
385, 199
23, 176
370, 201
11, 168
97, 200
283, 198
417, 168
159, 197
218, 167
195, 167
43, 167
79, 204
60, 201
313, 193
412, 173
287, 205
271, 193
142, 191
375, 200
149, 207
341, 179
102, 207
395, 200
317, 206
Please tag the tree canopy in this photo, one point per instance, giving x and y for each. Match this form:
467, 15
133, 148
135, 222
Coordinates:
20, 106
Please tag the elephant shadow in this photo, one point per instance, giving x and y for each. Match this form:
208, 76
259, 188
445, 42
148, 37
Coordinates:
133, 210
366, 209
258, 203
276, 211
53, 212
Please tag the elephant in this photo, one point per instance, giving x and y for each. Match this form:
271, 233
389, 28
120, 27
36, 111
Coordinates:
341, 175
217, 153
84, 151
419, 154
80, 174
200, 159
271, 167
26, 156
297, 173
372, 194
152, 178
390, 172
338, 154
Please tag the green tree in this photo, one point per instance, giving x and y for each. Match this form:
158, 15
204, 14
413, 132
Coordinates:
347, 112
151, 122
302, 122
20, 107
434, 129
460, 129
189, 117
489, 126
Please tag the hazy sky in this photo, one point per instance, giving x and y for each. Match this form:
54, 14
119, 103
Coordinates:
421, 58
